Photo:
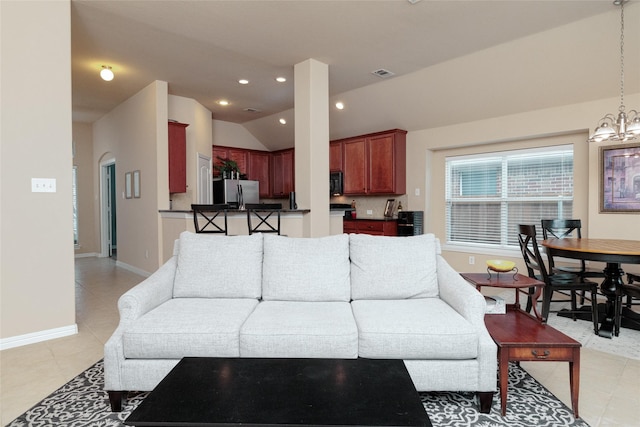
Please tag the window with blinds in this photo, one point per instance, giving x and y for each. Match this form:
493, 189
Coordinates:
488, 195
74, 198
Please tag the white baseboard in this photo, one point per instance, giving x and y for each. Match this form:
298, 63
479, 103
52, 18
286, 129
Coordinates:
87, 255
35, 337
133, 269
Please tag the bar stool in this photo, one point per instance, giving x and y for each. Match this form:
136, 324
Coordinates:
267, 216
204, 218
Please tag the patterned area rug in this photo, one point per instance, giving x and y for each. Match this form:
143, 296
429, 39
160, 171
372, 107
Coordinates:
83, 402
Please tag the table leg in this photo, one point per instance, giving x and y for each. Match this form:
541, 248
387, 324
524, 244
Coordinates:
611, 287
574, 380
503, 365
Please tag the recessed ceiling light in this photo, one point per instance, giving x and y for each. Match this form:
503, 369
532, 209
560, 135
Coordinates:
106, 73
340, 105
243, 81
283, 121
223, 102
281, 79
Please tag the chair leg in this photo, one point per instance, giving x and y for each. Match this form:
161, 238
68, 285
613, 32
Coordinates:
546, 303
594, 311
529, 302
574, 306
617, 315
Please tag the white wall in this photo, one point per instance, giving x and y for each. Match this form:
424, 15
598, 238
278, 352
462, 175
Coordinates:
135, 133
427, 149
37, 289
199, 140
234, 135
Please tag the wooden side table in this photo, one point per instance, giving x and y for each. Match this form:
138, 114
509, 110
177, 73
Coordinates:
521, 337
508, 281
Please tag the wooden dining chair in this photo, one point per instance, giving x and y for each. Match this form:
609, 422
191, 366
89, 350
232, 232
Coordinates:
554, 281
263, 217
560, 229
210, 218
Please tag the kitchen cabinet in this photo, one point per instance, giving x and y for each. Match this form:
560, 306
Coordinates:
260, 170
375, 163
370, 226
335, 157
238, 155
177, 157
282, 173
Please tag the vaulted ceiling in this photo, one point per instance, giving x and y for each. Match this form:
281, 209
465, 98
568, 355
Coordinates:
202, 48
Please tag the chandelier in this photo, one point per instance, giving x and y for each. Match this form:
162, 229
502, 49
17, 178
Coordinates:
625, 127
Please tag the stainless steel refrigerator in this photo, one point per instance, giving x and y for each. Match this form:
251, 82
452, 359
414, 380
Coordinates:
236, 192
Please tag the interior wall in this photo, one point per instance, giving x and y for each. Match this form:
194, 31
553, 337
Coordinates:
570, 123
36, 245
234, 135
83, 161
199, 140
135, 133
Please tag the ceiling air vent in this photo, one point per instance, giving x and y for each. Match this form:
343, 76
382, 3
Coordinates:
251, 110
382, 73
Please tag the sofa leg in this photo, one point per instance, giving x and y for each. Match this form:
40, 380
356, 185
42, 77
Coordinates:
486, 399
115, 400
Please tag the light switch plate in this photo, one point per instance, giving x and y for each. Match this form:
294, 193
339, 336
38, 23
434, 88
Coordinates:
43, 185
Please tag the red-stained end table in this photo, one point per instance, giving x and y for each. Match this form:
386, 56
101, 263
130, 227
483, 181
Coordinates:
521, 337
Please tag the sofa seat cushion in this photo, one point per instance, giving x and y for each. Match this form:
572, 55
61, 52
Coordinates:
197, 327
209, 265
424, 328
306, 269
384, 267
300, 330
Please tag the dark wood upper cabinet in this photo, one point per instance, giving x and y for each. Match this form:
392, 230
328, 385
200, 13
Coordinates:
177, 157
374, 163
282, 172
239, 155
260, 170
335, 157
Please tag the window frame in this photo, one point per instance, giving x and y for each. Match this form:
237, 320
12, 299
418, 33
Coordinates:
503, 198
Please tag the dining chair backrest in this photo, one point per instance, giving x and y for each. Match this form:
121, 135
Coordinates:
560, 229
263, 217
210, 218
531, 252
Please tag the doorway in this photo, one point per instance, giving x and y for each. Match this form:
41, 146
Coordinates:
108, 222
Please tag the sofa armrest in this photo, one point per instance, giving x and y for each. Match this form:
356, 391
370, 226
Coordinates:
149, 293
470, 303
460, 294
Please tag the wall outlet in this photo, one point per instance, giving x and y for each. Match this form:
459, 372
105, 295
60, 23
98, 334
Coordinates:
417, 192
369, 212
472, 260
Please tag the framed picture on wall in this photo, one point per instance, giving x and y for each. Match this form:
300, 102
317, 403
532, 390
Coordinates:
127, 185
620, 178
136, 184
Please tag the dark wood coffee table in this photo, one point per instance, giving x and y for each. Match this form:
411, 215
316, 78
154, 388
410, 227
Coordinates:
232, 391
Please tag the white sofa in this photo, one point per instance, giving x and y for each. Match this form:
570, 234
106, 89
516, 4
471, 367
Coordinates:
341, 296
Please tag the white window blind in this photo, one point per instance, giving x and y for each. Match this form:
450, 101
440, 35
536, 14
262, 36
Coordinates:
488, 195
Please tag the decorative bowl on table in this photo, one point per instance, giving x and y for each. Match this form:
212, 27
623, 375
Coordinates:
500, 266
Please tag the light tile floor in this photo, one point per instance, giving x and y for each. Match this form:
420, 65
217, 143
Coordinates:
609, 384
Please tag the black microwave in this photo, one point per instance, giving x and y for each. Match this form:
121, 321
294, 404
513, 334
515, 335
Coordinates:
335, 184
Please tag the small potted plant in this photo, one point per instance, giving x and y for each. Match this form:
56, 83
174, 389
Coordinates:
227, 168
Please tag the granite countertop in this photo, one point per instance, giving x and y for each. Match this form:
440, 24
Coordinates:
371, 219
189, 211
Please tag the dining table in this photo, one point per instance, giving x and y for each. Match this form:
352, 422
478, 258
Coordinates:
613, 252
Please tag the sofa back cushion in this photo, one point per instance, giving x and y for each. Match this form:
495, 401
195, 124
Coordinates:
393, 267
217, 266
306, 269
